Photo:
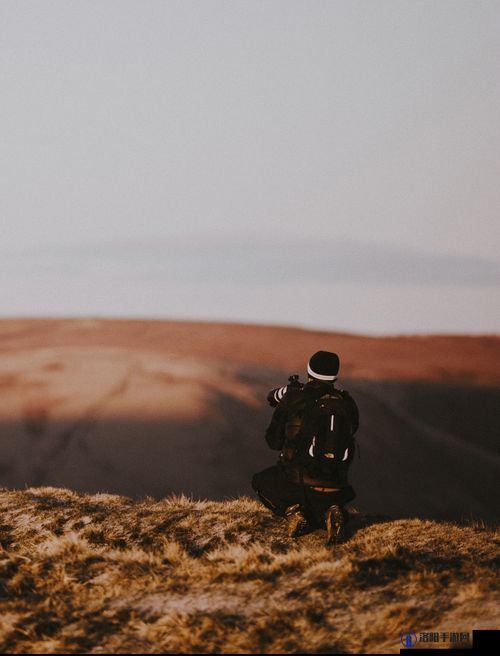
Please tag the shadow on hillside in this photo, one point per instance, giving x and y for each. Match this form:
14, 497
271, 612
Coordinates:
132, 459
359, 521
427, 451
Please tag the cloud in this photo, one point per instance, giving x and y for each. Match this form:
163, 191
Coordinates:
214, 258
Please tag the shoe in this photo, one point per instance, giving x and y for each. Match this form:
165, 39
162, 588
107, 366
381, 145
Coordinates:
296, 521
335, 525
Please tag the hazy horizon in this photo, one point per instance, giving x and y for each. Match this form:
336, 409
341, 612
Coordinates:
333, 285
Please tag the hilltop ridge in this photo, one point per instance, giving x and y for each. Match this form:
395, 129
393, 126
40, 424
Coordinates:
472, 359
104, 574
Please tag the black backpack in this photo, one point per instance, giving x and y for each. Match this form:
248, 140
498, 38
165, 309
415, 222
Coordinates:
325, 441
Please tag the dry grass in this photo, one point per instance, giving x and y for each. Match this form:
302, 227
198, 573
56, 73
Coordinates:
103, 574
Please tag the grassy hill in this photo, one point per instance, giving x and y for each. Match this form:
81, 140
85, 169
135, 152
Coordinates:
105, 574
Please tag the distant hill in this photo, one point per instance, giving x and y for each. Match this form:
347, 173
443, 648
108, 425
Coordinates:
430, 358
155, 407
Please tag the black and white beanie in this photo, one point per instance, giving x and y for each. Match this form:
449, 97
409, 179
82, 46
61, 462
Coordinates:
324, 366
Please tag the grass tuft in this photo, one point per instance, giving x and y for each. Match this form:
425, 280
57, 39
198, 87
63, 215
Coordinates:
103, 574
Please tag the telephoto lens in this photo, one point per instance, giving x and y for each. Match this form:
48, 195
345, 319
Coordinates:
275, 395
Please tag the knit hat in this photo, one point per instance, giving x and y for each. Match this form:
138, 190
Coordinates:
324, 366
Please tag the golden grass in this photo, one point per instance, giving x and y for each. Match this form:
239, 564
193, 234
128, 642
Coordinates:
104, 574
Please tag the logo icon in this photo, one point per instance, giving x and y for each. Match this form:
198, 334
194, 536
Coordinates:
409, 639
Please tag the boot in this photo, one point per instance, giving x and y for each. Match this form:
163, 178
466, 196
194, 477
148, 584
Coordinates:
335, 525
296, 521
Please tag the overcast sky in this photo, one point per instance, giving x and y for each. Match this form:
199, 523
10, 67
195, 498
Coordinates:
369, 125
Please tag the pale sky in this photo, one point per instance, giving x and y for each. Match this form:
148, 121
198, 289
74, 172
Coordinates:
370, 126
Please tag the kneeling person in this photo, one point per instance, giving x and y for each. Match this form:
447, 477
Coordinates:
313, 426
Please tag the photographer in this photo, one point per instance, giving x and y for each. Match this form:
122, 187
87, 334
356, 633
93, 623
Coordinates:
313, 426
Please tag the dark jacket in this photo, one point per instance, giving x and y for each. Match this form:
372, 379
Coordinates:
285, 426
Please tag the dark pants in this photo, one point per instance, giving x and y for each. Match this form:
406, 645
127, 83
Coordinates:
277, 493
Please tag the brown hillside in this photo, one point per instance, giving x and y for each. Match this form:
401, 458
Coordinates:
153, 407
461, 358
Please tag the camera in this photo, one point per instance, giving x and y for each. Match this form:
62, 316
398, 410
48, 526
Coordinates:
275, 395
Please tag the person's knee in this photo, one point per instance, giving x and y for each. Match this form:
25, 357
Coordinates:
258, 480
